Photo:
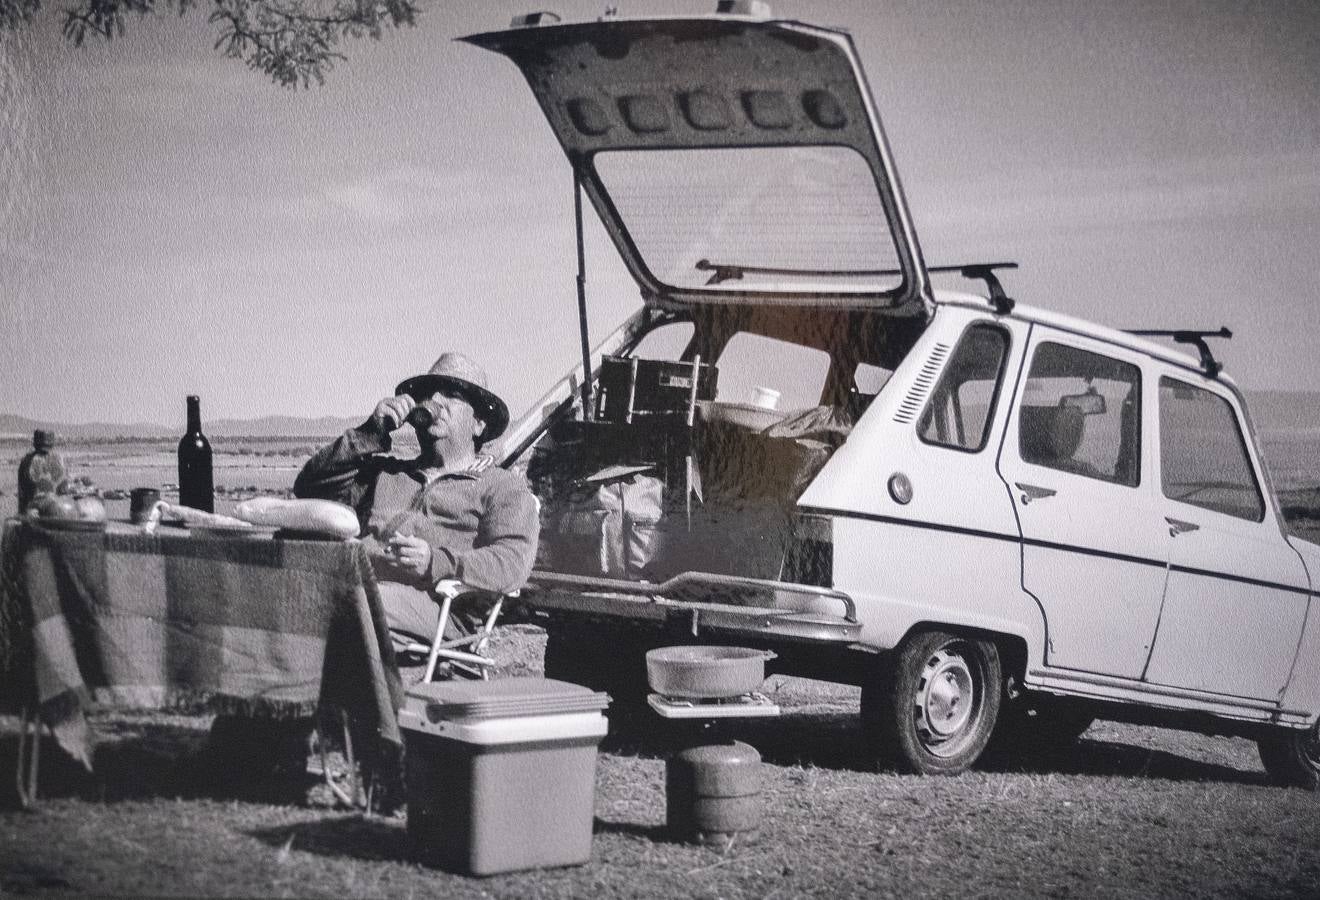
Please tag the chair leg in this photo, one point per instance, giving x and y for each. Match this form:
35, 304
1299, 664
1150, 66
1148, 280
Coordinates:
340, 794
353, 772
29, 758
433, 657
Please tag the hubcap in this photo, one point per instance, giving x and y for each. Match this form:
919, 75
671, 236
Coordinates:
945, 700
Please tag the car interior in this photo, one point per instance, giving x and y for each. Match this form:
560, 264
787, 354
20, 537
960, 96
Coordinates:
677, 466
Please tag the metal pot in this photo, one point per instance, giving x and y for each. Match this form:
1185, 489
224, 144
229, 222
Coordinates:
705, 673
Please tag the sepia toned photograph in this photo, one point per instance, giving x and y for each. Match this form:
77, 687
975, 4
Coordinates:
696, 448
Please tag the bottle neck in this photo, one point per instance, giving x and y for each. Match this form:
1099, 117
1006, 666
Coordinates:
194, 414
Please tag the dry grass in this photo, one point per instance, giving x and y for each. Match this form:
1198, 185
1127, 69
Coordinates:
1129, 812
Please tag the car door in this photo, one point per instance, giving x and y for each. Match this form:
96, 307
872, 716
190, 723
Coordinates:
1237, 595
1093, 542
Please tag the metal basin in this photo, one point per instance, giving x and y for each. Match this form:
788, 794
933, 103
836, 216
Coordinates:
705, 673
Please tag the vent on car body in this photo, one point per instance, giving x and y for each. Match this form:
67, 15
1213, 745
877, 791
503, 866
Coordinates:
916, 395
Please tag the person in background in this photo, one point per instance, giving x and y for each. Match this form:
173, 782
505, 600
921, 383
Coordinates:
41, 470
447, 514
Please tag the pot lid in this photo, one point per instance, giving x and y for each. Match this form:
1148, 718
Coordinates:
731, 159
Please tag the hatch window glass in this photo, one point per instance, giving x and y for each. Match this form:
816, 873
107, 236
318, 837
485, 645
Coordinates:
960, 408
1081, 413
811, 214
1203, 459
796, 374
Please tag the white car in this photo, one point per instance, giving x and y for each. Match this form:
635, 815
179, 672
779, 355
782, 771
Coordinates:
980, 512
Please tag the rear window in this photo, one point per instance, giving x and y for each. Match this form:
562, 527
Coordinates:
751, 361
959, 411
1203, 459
816, 210
666, 342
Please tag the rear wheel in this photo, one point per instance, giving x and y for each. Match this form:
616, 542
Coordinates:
1292, 756
932, 710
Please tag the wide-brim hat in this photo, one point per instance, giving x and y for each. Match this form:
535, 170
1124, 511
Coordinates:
454, 370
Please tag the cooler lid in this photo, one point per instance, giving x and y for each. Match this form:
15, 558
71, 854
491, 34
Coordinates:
503, 698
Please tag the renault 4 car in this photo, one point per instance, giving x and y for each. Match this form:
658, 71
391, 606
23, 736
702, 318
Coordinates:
996, 520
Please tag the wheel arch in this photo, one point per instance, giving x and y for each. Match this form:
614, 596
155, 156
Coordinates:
1012, 648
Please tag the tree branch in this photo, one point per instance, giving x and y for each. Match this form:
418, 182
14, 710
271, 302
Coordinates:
293, 42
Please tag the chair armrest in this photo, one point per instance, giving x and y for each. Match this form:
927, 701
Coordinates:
452, 588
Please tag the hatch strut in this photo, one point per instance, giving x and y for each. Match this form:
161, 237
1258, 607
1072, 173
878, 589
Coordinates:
722, 272
1211, 365
582, 294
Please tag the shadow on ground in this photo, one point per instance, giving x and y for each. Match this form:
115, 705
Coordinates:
351, 835
1094, 756
138, 760
834, 740
141, 759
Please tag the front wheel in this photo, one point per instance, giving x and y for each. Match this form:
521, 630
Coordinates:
1292, 756
933, 709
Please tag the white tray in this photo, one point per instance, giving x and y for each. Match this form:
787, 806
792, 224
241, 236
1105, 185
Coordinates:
752, 705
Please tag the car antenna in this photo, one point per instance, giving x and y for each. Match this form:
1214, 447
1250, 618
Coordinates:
1211, 365
722, 272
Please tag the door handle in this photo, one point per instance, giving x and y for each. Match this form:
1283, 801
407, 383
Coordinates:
1178, 526
1032, 492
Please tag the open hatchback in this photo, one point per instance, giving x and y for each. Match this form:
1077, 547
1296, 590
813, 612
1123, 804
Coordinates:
740, 169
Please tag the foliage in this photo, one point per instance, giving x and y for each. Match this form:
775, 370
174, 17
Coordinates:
294, 42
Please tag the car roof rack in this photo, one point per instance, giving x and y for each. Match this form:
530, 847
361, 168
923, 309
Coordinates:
1209, 364
721, 272
1003, 303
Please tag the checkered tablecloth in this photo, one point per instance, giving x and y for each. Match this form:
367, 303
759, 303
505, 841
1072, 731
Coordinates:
248, 626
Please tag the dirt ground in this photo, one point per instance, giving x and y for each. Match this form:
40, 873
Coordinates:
1127, 812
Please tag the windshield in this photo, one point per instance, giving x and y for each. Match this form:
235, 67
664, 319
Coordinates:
767, 218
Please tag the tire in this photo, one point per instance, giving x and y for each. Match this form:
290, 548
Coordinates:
1292, 756
933, 709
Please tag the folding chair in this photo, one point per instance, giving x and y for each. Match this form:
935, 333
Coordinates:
464, 655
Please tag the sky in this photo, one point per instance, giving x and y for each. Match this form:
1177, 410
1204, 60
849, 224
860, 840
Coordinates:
173, 223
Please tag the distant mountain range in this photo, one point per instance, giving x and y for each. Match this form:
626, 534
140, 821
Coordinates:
12, 426
1272, 411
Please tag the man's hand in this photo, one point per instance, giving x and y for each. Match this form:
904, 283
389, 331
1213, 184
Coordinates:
411, 555
392, 412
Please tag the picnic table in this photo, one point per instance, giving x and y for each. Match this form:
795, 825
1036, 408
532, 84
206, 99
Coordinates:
247, 626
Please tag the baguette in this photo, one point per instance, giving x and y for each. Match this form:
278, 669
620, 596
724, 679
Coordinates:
190, 516
318, 516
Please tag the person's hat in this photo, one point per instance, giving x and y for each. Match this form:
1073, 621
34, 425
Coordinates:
43, 439
458, 371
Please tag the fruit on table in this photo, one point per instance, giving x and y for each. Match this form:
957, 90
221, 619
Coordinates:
57, 506
91, 509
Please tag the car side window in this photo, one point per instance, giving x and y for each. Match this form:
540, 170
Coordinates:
1203, 458
959, 410
1081, 413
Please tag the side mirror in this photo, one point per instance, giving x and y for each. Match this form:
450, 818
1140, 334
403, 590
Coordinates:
1091, 403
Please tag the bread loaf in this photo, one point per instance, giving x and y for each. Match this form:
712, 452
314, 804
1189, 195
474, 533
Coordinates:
175, 512
316, 516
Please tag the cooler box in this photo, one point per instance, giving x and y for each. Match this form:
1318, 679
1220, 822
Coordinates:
501, 775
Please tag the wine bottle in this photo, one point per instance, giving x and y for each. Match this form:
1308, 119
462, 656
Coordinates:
195, 485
